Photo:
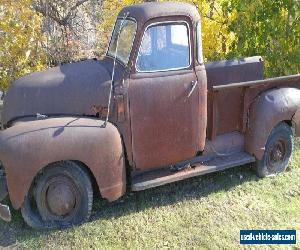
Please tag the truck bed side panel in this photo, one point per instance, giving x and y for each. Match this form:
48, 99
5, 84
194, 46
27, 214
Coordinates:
282, 102
228, 105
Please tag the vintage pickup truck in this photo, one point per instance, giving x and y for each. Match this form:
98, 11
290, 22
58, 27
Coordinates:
150, 113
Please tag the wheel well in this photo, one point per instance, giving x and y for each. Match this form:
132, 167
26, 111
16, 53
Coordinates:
288, 122
95, 186
82, 166
291, 124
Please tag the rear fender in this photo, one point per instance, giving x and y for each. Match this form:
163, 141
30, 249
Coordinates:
296, 123
269, 109
26, 148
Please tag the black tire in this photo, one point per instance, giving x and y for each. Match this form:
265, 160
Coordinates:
61, 196
278, 151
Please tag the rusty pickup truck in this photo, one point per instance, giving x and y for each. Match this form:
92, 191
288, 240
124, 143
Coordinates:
149, 113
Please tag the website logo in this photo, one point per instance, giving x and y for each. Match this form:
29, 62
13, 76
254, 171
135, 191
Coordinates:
268, 237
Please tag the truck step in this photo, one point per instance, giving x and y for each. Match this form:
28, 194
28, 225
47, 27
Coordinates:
164, 176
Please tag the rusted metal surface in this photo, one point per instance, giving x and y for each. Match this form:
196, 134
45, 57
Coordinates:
157, 115
71, 89
296, 123
278, 82
234, 71
82, 89
202, 116
237, 84
149, 13
162, 117
269, 109
39, 143
120, 105
165, 176
146, 12
122, 120
58, 198
226, 144
225, 107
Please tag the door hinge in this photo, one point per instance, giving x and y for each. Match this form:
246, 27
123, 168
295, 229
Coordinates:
120, 107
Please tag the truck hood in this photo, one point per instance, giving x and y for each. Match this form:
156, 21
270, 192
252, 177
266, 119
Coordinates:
71, 89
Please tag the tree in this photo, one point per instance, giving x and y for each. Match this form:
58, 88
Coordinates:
20, 41
69, 27
216, 36
270, 28
34, 33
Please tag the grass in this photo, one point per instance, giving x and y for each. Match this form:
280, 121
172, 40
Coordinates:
203, 212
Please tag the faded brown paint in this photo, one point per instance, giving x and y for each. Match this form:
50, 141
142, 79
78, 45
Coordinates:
159, 108
269, 109
156, 128
225, 107
71, 89
202, 118
296, 123
150, 112
28, 147
259, 114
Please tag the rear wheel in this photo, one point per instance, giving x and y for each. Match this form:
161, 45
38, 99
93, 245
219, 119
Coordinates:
62, 196
278, 151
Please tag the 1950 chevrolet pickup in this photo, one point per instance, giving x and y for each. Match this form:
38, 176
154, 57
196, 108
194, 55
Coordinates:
150, 113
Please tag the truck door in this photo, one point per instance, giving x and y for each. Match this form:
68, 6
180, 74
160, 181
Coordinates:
164, 98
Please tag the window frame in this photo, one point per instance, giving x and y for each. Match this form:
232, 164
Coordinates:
161, 24
199, 41
107, 54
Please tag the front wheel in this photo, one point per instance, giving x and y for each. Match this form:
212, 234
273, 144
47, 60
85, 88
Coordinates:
61, 196
278, 151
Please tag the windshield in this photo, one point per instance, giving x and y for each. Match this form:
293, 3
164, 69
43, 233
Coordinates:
125, 40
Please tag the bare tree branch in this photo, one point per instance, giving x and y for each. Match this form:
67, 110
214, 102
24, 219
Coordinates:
53, 13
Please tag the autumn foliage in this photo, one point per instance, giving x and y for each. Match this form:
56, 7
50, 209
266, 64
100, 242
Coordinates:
20, 40
31, 38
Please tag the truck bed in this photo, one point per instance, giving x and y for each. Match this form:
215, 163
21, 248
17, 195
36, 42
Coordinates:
232, 87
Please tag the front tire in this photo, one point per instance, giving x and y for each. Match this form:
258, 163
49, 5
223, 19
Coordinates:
278, 151
61, 196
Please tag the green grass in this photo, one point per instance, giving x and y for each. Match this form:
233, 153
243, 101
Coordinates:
203, 212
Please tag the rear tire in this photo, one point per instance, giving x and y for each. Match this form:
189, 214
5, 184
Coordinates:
61, 196
278, 151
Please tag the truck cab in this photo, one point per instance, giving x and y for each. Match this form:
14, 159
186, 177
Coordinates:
166, 85
149, 113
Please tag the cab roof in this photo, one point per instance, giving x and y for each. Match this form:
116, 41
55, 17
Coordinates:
146, 11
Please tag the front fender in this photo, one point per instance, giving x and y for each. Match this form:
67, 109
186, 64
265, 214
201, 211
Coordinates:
26, 148
269, 109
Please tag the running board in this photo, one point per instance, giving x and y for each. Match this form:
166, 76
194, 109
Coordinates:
164, 176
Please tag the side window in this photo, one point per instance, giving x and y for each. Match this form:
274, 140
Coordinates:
199, 44
164, 47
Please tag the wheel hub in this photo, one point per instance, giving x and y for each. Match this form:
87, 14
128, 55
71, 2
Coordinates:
277, 155
277, 152
61, 198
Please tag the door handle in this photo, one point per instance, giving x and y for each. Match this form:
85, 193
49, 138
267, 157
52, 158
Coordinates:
194, 85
